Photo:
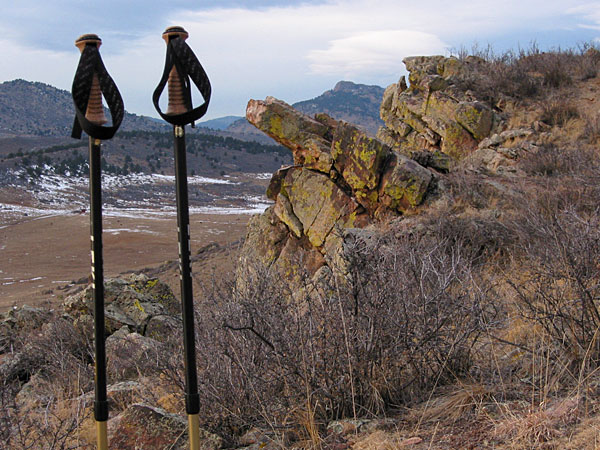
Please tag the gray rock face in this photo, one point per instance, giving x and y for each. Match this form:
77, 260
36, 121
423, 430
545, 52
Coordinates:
20, 320
133, 301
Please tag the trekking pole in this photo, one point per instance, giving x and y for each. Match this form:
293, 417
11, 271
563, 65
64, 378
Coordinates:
91, 81
182, 66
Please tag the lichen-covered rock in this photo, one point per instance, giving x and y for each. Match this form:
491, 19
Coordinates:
359, 159
298, 260
404, 183
283, 210
435, 159
434, 109
145, 427
306, 137
130, 301
161, 327
317, 202
476, 118
421, 66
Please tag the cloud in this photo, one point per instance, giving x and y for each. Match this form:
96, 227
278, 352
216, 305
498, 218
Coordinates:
373, 53
290, 49
589, 13
37, 64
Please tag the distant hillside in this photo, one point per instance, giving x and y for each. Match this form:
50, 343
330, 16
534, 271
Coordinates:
35, 129
33, 108
354, 103
220, 123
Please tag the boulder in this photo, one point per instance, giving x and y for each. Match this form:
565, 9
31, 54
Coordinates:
131, 301
404, 183
145, 427
18, 321
476, 118
161, 327
421, 66
317, 202
35, 393
120, 395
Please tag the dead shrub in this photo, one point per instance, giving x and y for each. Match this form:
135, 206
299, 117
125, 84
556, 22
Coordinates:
591, 131
589, 63
548, 160
526, 73
557, 112
560, 288
403, 320
59, 354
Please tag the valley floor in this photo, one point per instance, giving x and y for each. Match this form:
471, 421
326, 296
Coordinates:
44, 230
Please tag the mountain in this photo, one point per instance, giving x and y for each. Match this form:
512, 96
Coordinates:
35, 129
220, 123
33, 108
354, 103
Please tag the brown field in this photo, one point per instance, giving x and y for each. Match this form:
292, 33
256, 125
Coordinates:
43, 256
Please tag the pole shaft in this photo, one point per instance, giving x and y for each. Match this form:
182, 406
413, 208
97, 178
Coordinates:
100, 402
192, 401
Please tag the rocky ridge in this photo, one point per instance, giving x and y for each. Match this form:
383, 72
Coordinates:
343, 180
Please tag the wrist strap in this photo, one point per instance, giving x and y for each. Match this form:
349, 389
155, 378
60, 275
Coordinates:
180, 55
90, 62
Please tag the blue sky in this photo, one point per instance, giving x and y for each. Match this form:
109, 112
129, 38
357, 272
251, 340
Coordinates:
292, 50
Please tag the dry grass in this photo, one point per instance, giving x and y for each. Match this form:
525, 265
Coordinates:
538, 427
381, 440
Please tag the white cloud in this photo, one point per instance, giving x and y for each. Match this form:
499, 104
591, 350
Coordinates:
373, 53
37, 65
292, 52
589, 13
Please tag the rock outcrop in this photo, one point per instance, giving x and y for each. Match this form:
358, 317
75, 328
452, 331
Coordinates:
433, 111
341, 179
141, 303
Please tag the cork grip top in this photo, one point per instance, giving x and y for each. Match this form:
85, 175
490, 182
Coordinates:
95, 110
176, 103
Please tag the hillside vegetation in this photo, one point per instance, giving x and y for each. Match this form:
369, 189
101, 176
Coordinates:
437, 287
147, 152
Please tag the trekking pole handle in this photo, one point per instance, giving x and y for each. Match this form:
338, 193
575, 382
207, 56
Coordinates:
95, 111
176, 103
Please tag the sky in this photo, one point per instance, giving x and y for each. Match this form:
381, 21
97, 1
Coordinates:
293, 50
